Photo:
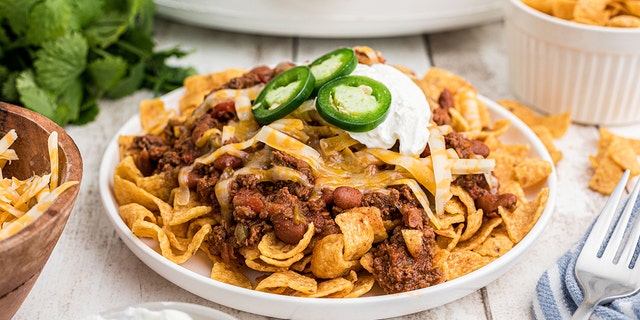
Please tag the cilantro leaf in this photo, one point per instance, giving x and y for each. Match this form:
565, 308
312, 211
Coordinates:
17, 13
85, 12
33, 97
166, 78
107, 72
9, 91
60, 62
88, 112
71, 101
60, 57
129, 84
53, 20
106, 30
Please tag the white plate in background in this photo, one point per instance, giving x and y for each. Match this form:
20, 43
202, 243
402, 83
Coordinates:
193, 275
195, 311
332, 18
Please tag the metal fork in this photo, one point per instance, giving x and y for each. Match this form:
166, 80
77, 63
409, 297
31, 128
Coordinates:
604, 268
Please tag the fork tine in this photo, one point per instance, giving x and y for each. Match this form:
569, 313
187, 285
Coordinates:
634, 233
621, 226
602, 225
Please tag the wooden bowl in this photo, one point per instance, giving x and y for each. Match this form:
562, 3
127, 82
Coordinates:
23, 255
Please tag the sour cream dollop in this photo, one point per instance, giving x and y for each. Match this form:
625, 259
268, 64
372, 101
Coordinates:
138, 313
409, 112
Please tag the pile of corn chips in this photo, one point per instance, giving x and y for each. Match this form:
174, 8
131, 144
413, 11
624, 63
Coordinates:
615, 155
339, 265
23, 201
610, 13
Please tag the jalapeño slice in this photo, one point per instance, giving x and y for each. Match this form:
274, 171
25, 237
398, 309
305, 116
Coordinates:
283, 94
354, 103
337, 63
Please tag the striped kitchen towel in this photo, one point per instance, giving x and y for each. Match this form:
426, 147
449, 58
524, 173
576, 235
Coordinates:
558, 293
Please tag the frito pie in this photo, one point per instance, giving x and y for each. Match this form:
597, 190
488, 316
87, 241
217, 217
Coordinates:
294, 173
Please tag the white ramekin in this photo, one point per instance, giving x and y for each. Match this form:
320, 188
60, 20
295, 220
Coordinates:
557, 65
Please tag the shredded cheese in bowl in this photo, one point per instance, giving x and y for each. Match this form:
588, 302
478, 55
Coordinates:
23, 201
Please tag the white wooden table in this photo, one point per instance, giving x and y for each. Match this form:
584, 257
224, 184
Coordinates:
91, 270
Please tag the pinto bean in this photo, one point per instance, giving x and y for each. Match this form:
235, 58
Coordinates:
282, 67
446, 99
245, 198
263, 73
426, 152
288, 230
224, 110
347, 197
507, 200
479, 148
143, 162
227, 160
489, 203
192, 179
412, 217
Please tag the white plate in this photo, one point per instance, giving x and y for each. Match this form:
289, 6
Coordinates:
197, 312
332, 18
193, 275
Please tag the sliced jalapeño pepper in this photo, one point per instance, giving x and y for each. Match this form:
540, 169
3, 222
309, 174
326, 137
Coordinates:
283, 94
337, 63
354, 103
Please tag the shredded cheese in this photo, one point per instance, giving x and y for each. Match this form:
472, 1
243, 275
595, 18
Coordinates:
441, 169
23, 201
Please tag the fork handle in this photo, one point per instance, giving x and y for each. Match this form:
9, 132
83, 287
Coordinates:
585, 309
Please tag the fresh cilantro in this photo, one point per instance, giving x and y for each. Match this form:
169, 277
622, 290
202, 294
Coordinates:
31, 94
60, 57
52, 18
61, 61
107, 72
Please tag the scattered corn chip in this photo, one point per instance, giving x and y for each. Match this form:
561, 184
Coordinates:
615, 154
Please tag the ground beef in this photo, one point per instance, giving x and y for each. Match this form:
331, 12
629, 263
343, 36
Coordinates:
397, 271
257, 75
219, 244
252, 232
460, 144
249, 181
406, 195
322, 221
282, 158
206, 183
385, 202
202, 124
441, 116
475, 184
148, 150
182, 153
